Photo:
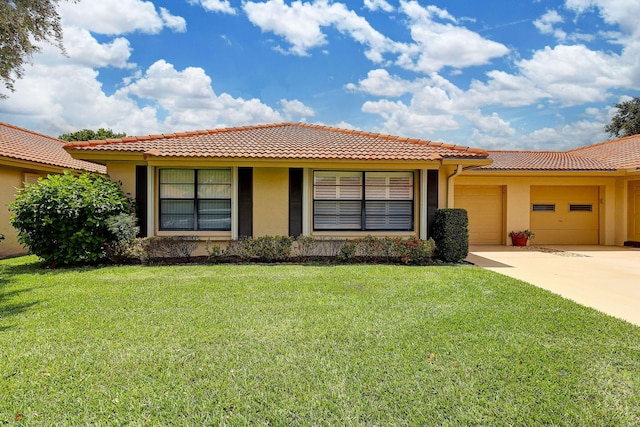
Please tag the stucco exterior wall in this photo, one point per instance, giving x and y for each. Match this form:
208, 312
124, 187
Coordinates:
124, 173
11, 179
518, 199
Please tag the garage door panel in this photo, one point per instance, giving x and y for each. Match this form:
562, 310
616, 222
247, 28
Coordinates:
574, 220
634, 211
484, 206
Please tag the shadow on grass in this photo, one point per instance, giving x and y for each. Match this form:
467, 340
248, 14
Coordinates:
10, 309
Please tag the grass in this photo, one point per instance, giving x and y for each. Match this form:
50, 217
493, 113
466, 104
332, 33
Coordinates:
306, 345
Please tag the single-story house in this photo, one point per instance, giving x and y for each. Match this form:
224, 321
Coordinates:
24, 157
283, 179
295, 178
588, 195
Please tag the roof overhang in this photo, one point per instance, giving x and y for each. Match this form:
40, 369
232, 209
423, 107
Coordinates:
152, 158
35, 166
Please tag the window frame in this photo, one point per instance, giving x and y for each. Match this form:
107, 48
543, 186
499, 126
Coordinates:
196, 200
364, 202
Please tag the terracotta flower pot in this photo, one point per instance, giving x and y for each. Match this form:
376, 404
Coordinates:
519, 240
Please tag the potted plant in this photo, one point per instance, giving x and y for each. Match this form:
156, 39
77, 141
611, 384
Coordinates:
520, 238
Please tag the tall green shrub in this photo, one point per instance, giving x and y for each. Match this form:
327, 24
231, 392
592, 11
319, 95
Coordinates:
64, 219
451, 234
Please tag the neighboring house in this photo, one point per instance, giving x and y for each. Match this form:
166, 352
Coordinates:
589, 195
283, 179
24, 157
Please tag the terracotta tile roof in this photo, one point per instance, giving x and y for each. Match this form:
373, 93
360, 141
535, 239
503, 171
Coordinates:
21, 144
612, 155
545, 161
283, 141
623, 152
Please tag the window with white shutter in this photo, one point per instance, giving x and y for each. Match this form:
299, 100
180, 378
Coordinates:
375, 201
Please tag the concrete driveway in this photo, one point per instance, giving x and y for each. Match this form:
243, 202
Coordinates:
606, 278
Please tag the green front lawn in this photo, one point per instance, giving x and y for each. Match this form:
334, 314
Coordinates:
372, 345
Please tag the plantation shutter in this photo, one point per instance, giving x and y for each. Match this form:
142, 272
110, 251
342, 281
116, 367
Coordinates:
337, 198
389, 201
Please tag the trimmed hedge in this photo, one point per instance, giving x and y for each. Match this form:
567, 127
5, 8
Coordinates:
451, 234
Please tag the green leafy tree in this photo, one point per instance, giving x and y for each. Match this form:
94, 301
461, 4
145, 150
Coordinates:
24, 24
65, 218
88, 134
626, 122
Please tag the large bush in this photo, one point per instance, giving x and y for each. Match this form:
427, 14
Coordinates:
451, 234
65, 218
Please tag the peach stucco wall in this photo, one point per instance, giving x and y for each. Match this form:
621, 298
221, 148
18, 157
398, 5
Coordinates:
518, 192
11, 179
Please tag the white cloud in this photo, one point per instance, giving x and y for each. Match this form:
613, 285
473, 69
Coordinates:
221, 6
402, 119
190, 102
83, 49
117, 17
374, 5
492, 124
295, 108
301, 25
66, 97
575, 74
505, 89
615, 12
439, 45
173, 22
380, 83
545, 24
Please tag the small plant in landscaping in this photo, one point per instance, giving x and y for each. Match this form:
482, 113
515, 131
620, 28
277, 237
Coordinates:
264, 248
528, 234
214, 252
347, 251
175, 247
123, 227
387, 249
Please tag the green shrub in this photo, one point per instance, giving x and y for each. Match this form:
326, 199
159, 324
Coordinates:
387, 249
63, 219
123, 228
215, 252
264, 248
176, 247
347, 251
451, 234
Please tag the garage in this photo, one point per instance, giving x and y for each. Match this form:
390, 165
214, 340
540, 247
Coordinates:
634, 211
565, 215
484, 205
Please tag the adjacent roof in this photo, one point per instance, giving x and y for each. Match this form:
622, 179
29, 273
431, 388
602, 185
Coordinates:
545, 161
21, 144
624, 152
613, 155
282, 141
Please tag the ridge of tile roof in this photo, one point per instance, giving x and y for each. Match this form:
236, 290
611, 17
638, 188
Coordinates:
530, 160
285, 141
23, 144
622, 153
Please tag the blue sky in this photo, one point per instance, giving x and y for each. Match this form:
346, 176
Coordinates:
496, 74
